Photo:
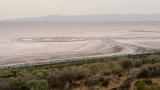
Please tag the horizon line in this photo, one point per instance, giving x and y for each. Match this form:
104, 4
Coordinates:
78, 15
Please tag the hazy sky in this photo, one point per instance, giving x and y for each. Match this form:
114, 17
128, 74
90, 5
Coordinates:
33, 8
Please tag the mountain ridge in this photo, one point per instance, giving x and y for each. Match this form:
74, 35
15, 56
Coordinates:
103, 17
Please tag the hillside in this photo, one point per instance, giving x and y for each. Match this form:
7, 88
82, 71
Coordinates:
138, 72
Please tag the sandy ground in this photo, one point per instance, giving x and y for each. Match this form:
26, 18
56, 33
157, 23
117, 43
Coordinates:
31, 42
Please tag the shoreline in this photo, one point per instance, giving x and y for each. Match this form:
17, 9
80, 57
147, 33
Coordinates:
117, 49
65, 60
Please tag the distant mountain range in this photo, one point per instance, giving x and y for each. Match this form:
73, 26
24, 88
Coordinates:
107, 17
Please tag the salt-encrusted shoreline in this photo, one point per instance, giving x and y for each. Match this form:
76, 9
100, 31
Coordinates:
117, 50
65, 60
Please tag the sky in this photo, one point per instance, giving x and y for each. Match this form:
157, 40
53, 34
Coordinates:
34, 8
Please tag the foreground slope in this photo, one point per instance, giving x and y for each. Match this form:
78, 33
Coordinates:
138, 72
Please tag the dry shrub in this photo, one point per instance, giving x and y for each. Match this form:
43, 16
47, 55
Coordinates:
147, 71
97, 80
67, 77
126, 64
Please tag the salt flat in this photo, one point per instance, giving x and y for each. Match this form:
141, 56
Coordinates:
23, 42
